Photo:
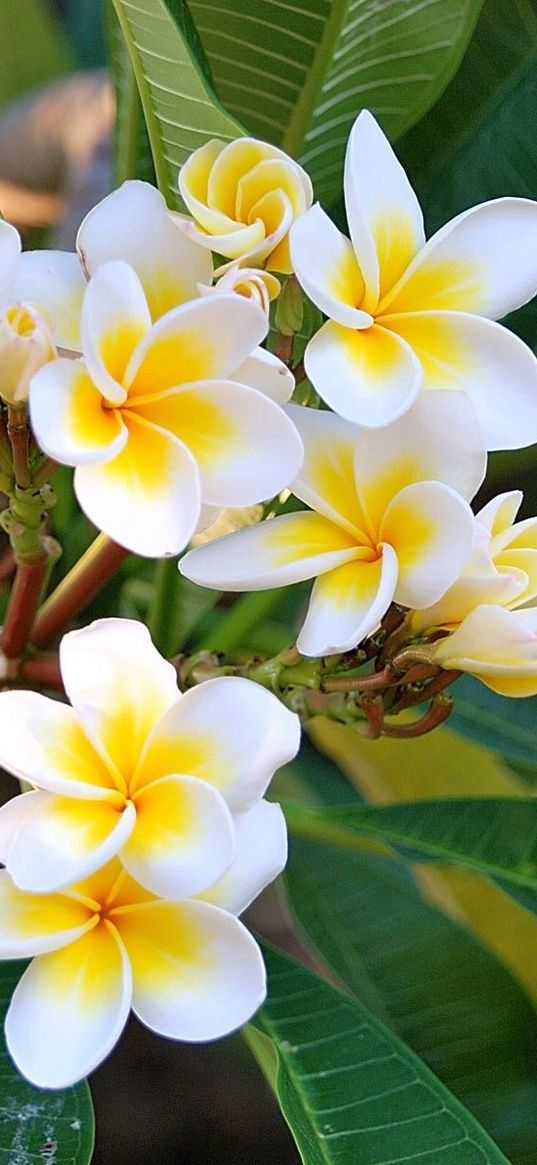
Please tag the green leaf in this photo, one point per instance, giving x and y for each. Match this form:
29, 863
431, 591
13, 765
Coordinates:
132, 151
298, 75
445, 995
507, 726
351, 1091
180, 109
496, 837
37, 1126
34, 48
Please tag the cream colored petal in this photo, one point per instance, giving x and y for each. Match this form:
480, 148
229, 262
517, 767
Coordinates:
431, 528
33, 924
347, 604
54, 281
326, 266
68, 418
115, 317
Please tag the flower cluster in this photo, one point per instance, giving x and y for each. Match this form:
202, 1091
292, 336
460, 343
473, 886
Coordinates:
146, 832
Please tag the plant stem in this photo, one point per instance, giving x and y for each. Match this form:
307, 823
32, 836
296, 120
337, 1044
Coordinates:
17, 430
42, 670
75, 591
23, 603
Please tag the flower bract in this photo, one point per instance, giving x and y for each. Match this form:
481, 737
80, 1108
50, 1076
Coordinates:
405, 315
135, 769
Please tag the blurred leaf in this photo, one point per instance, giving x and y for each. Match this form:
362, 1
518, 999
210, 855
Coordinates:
298, 76
180, 108
34, 48
132, 151
351, 1092
508, 726
447, 997
37, 1126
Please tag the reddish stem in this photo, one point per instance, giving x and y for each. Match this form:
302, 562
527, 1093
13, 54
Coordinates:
17, 429
75, 591
23, 604
373, 708
435, 715
376, 682
42, 670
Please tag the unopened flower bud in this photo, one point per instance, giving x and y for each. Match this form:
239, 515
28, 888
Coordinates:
25, 345
250, 282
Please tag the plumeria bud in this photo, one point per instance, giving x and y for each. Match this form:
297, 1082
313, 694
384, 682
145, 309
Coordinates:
250, 282
244, 197
25, 346
496, 646
290, 309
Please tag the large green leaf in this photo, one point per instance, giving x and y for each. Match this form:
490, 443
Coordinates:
132, 151
507, 726
180, 108
37, 1126
448, 997
496, 837
351, 1091
34, 49
299, 74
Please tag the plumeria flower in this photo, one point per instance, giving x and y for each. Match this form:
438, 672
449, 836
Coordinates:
502, 569
496, 646
189, 969
244, 197
137, 770
405, 315
133, 224
25, 346
251, 282
150, 419
385, 521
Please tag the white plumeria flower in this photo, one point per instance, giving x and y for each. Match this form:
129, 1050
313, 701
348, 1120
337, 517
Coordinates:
189, 969
25, 346
250, 282
133, 224
502, 569
406, 315
135, 769
385, 521
496, 646
150, 419
244, 197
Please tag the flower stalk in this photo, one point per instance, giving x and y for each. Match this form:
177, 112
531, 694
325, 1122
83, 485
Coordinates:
100, 562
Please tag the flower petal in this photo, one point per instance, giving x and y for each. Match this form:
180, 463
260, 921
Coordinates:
260, 855
69, 1009
68, 417
148, 497
10, 257
431, 530
64, 840
42, 741
133, 223
477, 356
370, 377
54, 281
499, 514
325, 265
384, 215
33, 924
115, 318
269, 375
203, 340
193, 187
326, 479
198, 974
245, 447
284, 550
414, 448
497, 646
184, 838
347, 604
199, 736
483, 261
119, 684
469, 591
12, 815
233, 240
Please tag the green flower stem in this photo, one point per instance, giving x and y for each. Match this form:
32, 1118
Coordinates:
18, 433
163, 609
75, 591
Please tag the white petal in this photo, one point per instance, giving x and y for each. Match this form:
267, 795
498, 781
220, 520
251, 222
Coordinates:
260, 855
325, 264
384, 215
12, 815
483, 261
133, 223
326, 480
183, 839
54, 281
115, 318
199, 736
284, 550
64, 840
68, 418
483, 359
148, 498
370, 377
119, 684
34, 924
347, 604
269, 375
499, 514
69, 1009
431, 530
10, 257
245, 447
198, 974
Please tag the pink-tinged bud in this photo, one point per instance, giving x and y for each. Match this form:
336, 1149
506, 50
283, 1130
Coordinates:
25, 345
